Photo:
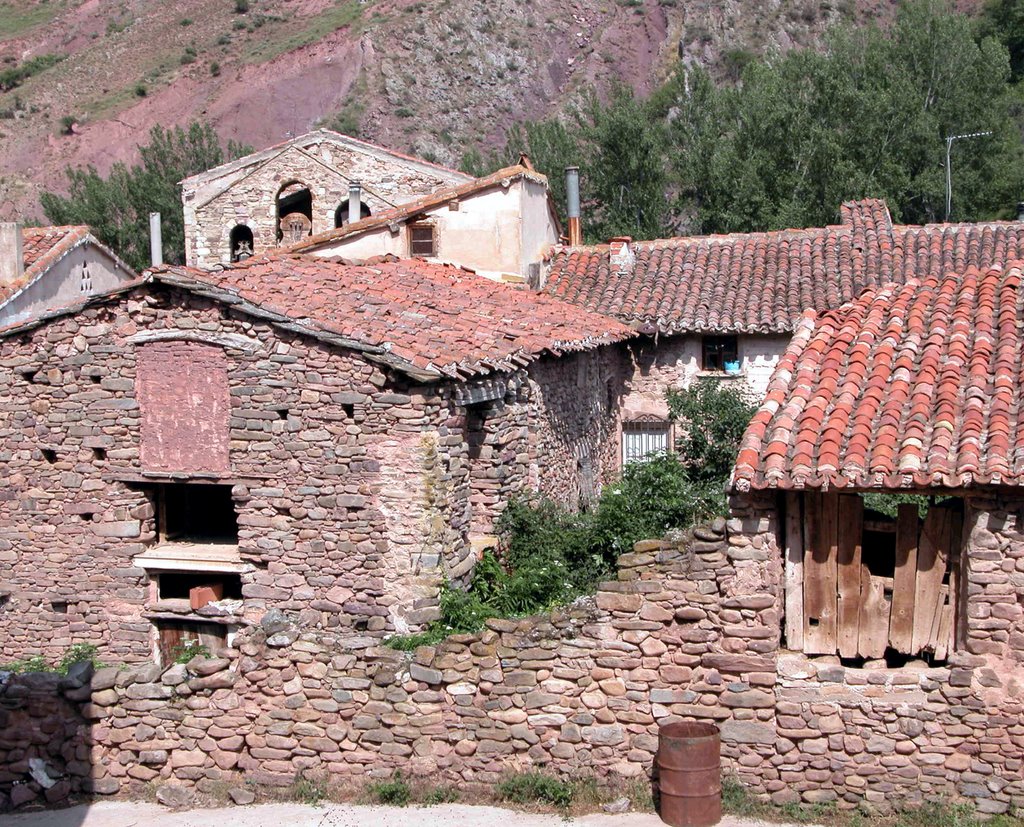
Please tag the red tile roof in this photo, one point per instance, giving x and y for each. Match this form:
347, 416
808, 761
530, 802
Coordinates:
410, 209
910, 386
439, 320
41, 248
763, 282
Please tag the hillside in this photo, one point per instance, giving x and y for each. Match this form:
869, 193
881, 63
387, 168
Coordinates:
431, 78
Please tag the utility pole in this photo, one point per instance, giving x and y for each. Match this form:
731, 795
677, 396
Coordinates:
949, 175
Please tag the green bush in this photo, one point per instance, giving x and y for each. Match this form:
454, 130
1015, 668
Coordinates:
535, 788
241, 6
441, 795
184, 652
393, 791
77, 653
311, 791
16, 75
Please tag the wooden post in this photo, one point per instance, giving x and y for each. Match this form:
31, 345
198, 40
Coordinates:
850, 533
794, 572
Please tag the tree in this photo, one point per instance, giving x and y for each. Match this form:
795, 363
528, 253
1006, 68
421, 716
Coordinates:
117, 207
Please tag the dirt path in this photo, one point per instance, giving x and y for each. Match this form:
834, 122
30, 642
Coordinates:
125, 814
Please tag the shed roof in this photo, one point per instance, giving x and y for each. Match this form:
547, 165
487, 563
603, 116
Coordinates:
912, 385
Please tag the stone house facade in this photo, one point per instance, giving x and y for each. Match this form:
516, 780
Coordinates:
324, 448
500, 226
724, 307
45, 268
298, 188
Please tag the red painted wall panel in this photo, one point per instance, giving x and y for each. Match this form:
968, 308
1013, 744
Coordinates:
182, 389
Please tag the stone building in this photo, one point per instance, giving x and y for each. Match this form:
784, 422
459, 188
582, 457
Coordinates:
901, 659
43, 268
295, 189
725, 306
501, 226
194, 449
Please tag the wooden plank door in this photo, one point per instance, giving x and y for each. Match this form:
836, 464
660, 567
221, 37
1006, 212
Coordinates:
850, 529
932, 557
901, 626
821, 573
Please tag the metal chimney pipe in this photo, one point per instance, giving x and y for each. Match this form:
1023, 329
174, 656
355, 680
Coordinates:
355, 201
572, 197
156, 241
12, 257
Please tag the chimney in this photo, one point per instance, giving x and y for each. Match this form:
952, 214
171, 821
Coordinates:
156, 240
621, 257
12, 260
1020, 210
572, 196
355, 201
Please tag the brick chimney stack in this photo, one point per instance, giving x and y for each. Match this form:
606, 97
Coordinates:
12, 258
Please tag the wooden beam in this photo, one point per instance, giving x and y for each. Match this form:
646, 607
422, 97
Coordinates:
901, 624
849, 604
794, 571
932, 554
820, 573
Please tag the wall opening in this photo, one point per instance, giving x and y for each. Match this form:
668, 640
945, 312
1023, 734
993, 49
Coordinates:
196, 513
241, 241
177, 639
644, 438
422, 240
720, 353
173, 585
341, 214
294, 213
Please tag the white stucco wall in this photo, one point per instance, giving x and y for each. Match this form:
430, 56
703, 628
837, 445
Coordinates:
674, 361
62, 284
495, 232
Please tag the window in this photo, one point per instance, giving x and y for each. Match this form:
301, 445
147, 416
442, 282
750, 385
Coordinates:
294, 213
196, 513
719, 353
175, 638
422, 240
341, 214
241, 243
85, 282
642, 438
197, 586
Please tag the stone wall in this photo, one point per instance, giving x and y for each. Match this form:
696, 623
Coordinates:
248, 196
689, 629
351, 485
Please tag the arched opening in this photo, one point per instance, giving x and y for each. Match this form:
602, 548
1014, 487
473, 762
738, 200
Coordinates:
341, 214
241, 243
294, 213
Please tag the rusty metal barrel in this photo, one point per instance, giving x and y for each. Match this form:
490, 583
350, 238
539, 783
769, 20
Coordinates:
689, 768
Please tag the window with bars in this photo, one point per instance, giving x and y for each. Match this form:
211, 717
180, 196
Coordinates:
422, 240
644, 438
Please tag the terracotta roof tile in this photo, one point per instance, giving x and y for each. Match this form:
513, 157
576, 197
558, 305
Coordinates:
909, 386
763, 282
440, 319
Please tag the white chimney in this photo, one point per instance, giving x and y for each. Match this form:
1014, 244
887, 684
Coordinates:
156, 241
355, 201
12, 258
621, 257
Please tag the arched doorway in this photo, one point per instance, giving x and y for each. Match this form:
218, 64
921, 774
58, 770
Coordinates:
294, 212
341, 214
241, 243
